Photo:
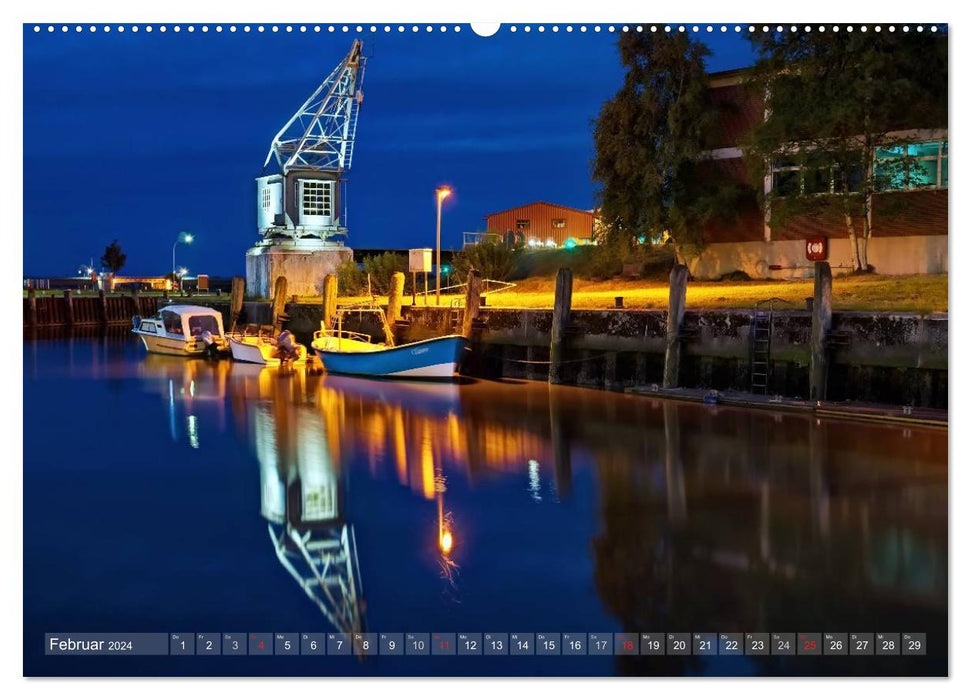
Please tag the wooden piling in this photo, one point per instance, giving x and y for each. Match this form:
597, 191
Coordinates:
329, 309
103, 306
32, 307
473, 299
136, 302
69, 306
279, 306
395, 297
822, 323
562, 303
236, 301
672, 353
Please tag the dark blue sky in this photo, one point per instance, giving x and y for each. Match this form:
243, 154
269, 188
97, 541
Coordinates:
140, 136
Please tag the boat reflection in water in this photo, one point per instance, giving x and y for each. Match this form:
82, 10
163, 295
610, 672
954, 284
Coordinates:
687, 517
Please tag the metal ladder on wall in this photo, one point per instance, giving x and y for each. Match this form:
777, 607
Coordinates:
760, 344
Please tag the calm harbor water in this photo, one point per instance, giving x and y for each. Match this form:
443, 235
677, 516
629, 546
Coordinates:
163, 495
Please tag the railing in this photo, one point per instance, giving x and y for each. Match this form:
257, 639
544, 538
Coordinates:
470, 238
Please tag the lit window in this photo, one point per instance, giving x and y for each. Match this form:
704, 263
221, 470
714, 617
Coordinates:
315, 195
911, 166
522, 224
559, 223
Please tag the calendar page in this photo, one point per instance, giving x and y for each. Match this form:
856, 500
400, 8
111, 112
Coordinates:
438, 349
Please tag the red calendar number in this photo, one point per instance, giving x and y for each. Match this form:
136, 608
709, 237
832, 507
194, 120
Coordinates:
628, 645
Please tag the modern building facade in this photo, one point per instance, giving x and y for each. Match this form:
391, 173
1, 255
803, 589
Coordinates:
544, 224
908, 219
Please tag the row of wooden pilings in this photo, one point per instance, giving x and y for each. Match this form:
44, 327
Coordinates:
329, 303
69, 310
822, 321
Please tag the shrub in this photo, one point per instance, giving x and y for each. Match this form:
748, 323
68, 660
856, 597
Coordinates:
350, 278
381, 268
493, 260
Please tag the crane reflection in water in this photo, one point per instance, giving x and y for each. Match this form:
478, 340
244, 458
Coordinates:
770, 521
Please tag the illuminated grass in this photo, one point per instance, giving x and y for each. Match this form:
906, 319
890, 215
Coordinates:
850, 293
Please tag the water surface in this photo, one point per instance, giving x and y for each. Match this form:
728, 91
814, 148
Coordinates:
167, 495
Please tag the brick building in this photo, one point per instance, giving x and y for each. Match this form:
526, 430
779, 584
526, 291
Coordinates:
905, 240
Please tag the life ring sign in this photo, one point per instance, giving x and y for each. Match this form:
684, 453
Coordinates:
817, 248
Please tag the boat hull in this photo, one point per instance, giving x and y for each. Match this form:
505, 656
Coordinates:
180, 347
260, 353
437, 358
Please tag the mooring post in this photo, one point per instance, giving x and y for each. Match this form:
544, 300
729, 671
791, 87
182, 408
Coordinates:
136, 301
473, 297
69, 306
236, 301
562, 303
329, 309
103, 306
395, 296
32, 306
672, 353
822, 322
279, 306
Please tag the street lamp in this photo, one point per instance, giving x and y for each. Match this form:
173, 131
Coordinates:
183, 237
440, 195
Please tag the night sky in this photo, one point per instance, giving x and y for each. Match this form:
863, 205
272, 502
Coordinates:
140, 136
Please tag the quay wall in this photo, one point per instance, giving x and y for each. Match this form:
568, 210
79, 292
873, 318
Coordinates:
892, 358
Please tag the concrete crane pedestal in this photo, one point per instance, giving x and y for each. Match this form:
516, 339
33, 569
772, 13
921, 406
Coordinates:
304, 263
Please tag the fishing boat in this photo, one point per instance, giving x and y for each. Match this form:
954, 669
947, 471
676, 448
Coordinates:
183, 330
262, 348
349, 352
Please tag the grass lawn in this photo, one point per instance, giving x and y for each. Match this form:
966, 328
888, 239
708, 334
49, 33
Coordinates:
850, 293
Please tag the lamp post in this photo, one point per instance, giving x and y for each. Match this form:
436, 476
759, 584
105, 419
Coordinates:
183, 237
440, 195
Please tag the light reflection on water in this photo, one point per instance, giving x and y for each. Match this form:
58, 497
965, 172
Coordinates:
672, 516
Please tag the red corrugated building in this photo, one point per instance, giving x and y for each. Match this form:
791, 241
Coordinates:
906, 239
544, 224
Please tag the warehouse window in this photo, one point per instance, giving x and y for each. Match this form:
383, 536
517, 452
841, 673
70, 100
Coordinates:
522, 224
315, 196
266, 198
559, 223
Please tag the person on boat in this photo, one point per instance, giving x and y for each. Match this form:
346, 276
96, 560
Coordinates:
211, 351
286, 348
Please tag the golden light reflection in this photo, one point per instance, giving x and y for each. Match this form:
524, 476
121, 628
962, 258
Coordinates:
445, 542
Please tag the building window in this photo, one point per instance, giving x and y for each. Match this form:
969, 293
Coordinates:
522, 224
266, 198
790, 179
911, 166
559, 223
316, 198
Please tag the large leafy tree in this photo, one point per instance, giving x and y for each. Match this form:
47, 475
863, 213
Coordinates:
114, 258
650, 141
832, 99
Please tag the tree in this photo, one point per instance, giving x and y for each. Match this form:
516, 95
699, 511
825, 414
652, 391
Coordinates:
833, 103
650, 141
113, 258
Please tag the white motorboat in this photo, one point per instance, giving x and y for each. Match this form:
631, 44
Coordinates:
262, 348
183, 330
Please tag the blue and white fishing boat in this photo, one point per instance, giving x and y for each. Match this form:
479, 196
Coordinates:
349, 352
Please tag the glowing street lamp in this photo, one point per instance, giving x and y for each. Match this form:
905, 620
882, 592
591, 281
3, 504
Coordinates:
183, 237
441, 194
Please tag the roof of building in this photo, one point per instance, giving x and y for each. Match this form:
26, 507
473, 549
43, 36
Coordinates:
542, 203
